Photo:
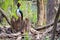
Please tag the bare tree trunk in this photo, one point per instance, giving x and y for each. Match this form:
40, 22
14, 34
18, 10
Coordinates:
55, 23
50, 11
40, 12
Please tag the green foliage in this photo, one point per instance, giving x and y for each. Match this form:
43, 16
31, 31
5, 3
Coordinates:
27, 37
47, 38
28, 11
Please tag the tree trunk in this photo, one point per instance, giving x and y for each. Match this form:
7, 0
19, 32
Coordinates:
50, 11
40, 12
55, 23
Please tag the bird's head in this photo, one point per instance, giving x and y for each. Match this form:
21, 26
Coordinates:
18, 5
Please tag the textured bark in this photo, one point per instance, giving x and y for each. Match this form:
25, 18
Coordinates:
40, 12
17, 25
50, 11
55, 23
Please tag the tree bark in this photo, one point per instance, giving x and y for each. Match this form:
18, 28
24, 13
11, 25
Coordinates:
40, 12
55, 23
50, 11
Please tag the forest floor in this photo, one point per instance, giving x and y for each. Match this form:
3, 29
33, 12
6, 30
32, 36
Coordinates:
45, 35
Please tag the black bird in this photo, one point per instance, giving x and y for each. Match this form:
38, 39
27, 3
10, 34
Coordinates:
19, 12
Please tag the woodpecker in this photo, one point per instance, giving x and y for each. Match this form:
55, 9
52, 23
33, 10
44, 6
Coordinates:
19, 12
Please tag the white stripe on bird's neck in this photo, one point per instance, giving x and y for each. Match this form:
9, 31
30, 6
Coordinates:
18, 13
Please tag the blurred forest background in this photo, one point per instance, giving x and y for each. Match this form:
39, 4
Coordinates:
39, 12
29, 9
